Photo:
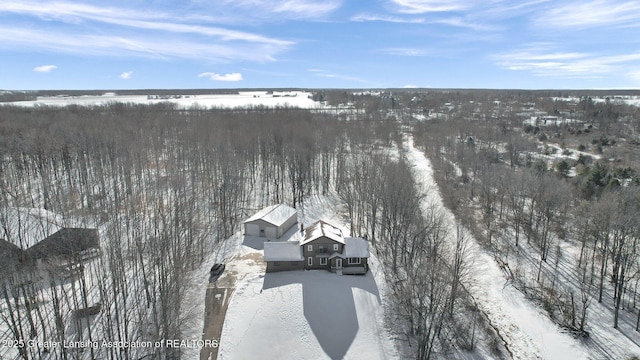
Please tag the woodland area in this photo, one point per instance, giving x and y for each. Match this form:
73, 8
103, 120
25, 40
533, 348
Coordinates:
166, 186
557, 205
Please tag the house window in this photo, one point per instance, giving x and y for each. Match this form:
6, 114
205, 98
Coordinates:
323, 249
310, 261
323, 261
309, 247
352, 261
335, 247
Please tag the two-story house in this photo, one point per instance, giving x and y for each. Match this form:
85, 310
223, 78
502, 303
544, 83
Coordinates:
322, 247
320, 241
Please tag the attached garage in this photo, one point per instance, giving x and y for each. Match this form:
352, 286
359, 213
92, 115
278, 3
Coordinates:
283, 256
271, 222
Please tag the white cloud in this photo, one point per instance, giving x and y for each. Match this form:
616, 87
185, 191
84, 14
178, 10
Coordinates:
45, 68
331, 75
541, 60
297, 9
307, 8
410, 86
463, 23
595, 13
385, 18
426, 6
143, 45
508, 9
211, 42
635, 75
405, 51
219, 77
149, 21
126, 75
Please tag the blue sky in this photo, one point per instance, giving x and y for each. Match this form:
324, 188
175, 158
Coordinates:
137, 44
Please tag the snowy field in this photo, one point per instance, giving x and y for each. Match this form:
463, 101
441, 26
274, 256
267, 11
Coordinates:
614, 99
297, 99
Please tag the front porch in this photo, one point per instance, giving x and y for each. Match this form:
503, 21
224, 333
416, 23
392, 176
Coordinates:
344, 266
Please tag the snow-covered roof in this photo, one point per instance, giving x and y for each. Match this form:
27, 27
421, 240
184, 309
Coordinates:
356, 248
274, 214
283, 251
320, 229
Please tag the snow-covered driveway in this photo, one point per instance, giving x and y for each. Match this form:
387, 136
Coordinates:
305, 315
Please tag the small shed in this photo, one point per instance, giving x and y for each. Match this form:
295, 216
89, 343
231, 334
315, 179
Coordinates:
271, 222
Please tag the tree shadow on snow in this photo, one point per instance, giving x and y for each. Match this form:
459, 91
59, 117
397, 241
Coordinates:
329, 304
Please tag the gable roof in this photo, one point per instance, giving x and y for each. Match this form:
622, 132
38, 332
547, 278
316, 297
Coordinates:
356, 248
283, 251
274, 214
322, 229
66, 241
24, 227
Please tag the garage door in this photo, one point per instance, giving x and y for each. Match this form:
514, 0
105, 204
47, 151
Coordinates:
252, 229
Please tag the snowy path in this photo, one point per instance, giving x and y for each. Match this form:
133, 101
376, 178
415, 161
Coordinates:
527, 332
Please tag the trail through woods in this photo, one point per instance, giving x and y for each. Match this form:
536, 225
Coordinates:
526, 331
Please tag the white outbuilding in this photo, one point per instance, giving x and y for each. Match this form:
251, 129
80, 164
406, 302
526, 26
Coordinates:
271, 222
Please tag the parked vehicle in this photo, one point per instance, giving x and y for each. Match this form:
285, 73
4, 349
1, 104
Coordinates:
216, 271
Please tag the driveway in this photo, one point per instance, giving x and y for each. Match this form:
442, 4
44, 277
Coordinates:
219, 296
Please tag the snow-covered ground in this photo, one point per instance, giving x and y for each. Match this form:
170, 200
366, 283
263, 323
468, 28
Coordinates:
552, 121
614, 99
255, 325
526, 331
306, 315
574, 154
298, 99
559, 154
299, 314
